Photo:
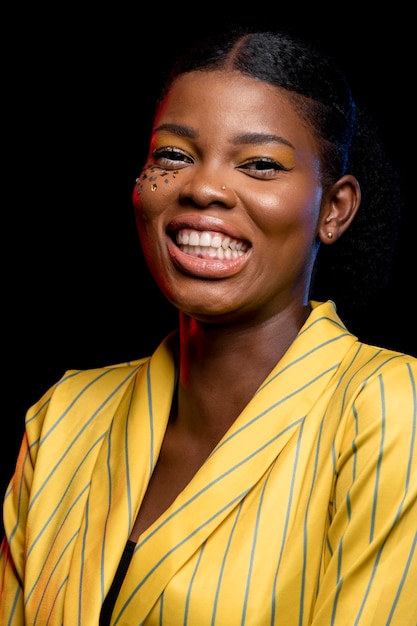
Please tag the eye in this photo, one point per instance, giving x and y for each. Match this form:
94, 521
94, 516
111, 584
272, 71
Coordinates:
169, 157
263, 168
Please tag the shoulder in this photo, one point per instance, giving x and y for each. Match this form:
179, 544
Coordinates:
97, 382
100, 378
82, 396
377, 394
373, 367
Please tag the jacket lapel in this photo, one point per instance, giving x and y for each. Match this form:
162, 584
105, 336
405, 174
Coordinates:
239, 461
118, 483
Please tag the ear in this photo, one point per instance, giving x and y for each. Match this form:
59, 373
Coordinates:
339, 207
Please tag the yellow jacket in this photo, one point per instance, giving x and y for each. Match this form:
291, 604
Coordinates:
305, 512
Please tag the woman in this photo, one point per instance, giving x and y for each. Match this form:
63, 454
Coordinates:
260, 467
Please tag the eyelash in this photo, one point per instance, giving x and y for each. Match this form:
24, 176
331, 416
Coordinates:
169, 157
272, 167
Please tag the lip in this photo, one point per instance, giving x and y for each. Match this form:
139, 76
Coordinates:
207, 267
204, 222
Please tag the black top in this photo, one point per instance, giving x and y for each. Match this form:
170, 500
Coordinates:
110, 600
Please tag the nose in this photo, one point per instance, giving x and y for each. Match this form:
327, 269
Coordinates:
204, 191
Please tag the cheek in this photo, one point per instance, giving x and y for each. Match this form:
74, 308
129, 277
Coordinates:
150, 193
294, 208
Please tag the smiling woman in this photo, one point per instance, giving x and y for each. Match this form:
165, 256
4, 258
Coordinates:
262, 461
270, 200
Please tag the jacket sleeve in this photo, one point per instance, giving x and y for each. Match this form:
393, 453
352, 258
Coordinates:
370, 573
15, 511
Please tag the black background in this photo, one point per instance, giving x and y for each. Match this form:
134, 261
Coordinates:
78, 88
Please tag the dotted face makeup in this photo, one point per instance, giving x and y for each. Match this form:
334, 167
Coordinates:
152, 178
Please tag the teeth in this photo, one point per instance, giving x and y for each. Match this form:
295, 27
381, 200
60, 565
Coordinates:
194, 239
217, 253
203, 240
205, 244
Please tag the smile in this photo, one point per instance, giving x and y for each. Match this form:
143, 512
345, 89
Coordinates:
205, 244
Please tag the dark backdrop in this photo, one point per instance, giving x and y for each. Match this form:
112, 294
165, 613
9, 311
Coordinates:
78, 89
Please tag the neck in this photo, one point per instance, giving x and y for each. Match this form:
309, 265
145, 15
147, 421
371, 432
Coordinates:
221, 367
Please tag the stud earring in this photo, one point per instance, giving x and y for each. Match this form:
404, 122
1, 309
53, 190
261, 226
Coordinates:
330, 235
223, 187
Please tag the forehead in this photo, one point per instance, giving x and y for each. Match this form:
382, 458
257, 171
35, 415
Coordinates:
228, 102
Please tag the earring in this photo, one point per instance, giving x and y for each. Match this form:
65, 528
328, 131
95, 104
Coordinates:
330, 235
223, 187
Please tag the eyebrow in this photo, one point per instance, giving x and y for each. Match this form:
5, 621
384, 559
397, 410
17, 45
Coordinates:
255, 138
244, 138
177, 129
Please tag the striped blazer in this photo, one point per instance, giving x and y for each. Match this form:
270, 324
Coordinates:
304, 513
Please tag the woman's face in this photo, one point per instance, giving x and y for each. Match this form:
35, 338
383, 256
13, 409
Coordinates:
228, 203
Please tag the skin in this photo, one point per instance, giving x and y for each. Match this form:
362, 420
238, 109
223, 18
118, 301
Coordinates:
214, 130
